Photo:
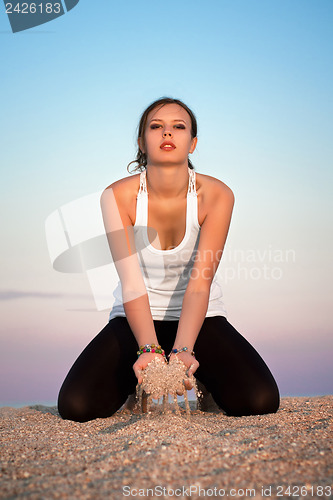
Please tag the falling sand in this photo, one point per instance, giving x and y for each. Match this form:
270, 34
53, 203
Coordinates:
161, 379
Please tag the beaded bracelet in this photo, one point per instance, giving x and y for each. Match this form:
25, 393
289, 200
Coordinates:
181, 349
151, 348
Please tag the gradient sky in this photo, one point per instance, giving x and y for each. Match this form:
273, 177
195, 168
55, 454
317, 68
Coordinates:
259, 76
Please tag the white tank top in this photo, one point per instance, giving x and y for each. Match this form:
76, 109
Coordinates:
166, 272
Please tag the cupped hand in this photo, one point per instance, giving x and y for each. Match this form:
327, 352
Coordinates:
142, 362
191, 364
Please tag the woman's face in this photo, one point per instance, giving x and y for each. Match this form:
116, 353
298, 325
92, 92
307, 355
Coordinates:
167, 136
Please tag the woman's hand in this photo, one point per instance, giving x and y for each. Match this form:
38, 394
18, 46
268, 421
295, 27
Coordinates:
142, 362
191, 364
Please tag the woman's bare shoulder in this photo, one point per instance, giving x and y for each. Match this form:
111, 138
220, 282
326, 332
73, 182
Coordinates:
211, 187
125, 191
212, 193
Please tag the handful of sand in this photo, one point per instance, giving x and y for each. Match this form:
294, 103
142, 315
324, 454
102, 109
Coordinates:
161, 379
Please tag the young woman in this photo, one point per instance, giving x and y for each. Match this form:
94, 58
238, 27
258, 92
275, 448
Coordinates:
167, 226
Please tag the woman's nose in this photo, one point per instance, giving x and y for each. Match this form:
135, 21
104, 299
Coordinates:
167, 133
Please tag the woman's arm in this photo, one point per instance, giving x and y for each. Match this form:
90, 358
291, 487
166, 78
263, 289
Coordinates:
213, 235
120, 234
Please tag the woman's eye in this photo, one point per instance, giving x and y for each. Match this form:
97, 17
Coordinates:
154, 125
180, 125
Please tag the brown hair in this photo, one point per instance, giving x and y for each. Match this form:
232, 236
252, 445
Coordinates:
141, 158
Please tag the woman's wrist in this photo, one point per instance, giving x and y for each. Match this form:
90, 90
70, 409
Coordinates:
178, 350
151, 348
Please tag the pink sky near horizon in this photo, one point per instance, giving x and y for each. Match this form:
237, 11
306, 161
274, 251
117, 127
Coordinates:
47, 335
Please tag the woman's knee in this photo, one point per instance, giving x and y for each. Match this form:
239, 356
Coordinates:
260, 402
74, 403
265, 401
72, 406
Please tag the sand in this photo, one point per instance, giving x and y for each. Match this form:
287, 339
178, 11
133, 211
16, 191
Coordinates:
161, 380
287, 454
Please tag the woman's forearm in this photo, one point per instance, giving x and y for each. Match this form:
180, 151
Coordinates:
195, 305
140, 320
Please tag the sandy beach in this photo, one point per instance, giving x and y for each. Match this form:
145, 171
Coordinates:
155, 455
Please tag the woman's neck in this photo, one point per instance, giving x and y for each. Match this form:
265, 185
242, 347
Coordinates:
167, 182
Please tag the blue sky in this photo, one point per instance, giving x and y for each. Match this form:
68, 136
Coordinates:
259, 76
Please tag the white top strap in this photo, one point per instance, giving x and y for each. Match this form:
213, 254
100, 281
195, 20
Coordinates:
143, 185
191, 184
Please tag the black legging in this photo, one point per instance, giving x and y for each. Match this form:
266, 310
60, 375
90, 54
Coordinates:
102, 377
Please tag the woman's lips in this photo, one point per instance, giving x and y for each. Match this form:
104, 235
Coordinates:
167, 146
